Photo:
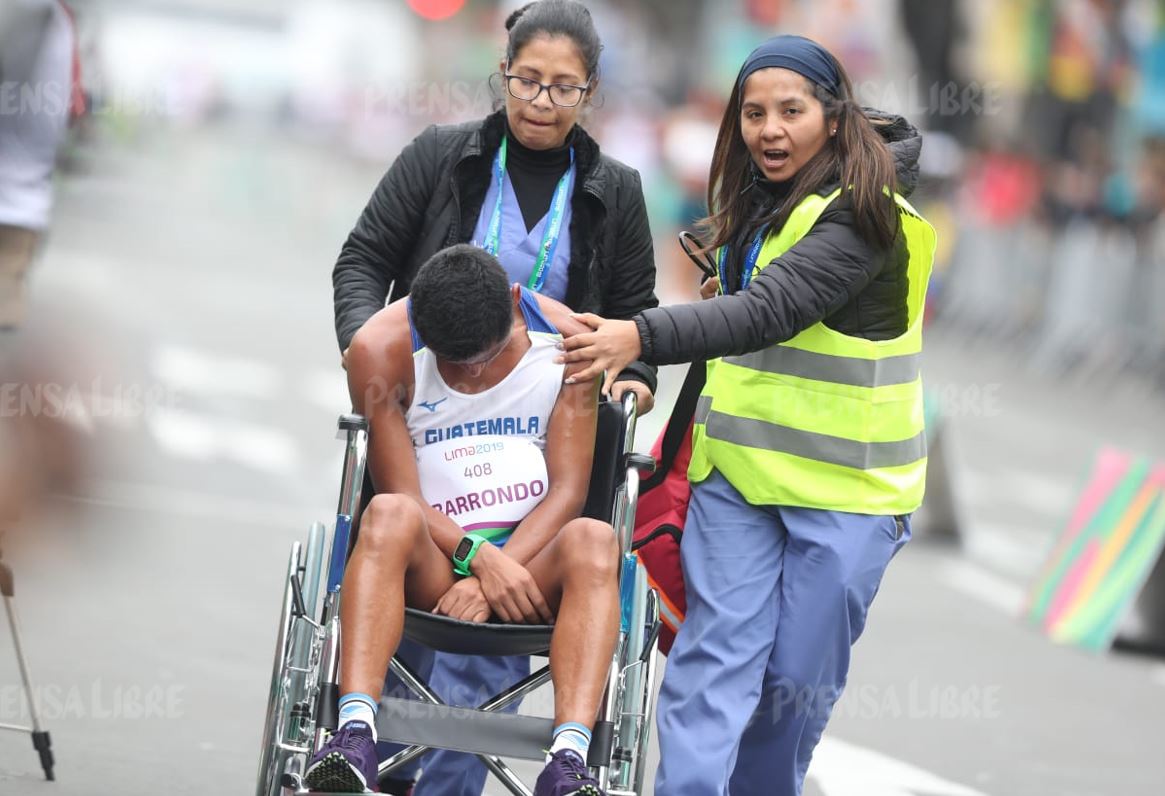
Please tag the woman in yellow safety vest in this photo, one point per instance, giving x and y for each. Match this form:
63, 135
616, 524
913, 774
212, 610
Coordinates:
808, 448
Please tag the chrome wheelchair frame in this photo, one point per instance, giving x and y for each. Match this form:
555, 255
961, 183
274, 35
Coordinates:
302, 704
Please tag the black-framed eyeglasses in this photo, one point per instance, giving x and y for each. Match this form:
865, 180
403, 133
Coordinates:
564, 95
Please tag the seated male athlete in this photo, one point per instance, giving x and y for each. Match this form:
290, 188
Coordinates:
475, 443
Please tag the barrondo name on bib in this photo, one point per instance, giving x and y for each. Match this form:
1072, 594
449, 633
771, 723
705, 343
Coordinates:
511, 493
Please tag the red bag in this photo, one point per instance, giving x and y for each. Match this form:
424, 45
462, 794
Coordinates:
663, 507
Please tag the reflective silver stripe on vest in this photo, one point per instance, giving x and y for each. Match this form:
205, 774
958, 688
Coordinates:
762, 434
855, 371
703, 407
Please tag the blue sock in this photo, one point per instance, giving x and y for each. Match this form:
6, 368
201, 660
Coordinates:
573, 737
359, 707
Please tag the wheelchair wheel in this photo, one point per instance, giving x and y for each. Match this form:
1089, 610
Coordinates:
647, 690
294, 675
636, 691
272, 756
314, 569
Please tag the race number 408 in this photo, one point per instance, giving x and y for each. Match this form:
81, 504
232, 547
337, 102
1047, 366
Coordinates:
478, 470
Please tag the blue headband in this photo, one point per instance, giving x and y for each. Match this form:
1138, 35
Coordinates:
803, 56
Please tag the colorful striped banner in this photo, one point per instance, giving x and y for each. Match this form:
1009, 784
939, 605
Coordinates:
1113, 539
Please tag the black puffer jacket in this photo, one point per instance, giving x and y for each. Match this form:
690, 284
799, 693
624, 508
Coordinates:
431, 198
830, 275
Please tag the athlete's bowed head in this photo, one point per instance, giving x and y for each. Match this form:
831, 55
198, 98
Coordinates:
462, 305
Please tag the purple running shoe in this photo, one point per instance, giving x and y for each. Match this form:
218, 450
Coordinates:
346, 763
566, 775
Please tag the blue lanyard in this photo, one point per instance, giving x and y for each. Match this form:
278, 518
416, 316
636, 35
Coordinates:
749, 262
553, 226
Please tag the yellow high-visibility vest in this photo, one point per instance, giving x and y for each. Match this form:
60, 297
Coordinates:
824, 420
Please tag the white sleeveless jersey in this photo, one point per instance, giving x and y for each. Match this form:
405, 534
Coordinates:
480, 456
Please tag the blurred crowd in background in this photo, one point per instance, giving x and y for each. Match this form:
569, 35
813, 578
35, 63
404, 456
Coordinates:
1044, 162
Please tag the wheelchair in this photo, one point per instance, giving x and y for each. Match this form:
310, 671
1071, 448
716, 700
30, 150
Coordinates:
302, 707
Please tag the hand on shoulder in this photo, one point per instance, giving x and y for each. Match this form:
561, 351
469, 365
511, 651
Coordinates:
561, 316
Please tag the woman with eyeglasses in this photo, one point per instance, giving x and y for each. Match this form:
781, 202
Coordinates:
808, 447
530, 186
527, 183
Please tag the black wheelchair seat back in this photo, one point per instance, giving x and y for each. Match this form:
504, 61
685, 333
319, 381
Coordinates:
607, 465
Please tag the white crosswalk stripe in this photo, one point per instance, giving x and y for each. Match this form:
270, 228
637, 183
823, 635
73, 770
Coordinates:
206, 439
983, 586
192, 371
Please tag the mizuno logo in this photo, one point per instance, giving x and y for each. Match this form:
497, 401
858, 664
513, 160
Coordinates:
432, 407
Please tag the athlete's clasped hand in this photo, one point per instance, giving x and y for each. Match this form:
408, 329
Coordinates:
465, 601
499, 584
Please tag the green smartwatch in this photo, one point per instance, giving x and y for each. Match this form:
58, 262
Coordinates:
466, 550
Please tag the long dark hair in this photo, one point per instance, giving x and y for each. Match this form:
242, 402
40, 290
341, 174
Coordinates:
856, 156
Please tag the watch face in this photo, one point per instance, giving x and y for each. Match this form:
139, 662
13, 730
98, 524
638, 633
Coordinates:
463, 549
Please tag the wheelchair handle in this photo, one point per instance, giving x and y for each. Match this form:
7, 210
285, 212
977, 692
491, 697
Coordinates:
630, 404
642, 462
355, 428
348, 510
353, 422
625, 511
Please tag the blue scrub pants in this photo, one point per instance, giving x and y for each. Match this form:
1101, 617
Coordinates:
776, 597
463, 680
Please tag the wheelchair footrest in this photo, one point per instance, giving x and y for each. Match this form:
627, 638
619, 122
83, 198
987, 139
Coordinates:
408, 721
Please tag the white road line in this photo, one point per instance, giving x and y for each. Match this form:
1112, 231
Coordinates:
170, 501
1159, 675
843, 769
983, 585
79, 272
1050, 497
206, 439
189, 370
1014, 551
1036, 492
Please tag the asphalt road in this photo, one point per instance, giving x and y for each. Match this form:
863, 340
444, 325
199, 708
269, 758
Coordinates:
190, 275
